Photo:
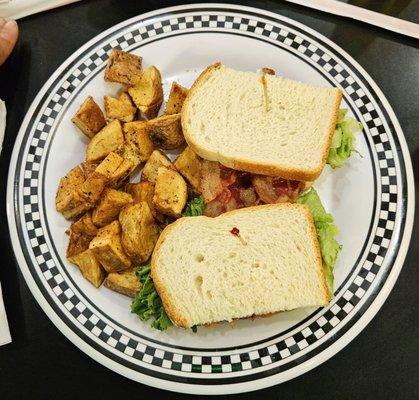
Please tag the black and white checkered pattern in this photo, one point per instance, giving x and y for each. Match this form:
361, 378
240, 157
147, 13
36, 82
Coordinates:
239, 361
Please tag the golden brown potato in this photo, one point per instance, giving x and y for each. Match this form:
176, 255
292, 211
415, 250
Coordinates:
189, 165
88, 167
84, 225
125, 282
76, 206
123, 68
107, 140
109, 206
107, 248
147, 94
93, 187
78, 242
68, 184
166, 132
139, 231
121, 174
156, 160
109, 165
177, 96
89, 267
144, 191
89, 118
170, 193
130, 152
136, 132
121, 108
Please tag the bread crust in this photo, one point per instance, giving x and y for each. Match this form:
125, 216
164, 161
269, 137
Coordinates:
168, 303
249, 165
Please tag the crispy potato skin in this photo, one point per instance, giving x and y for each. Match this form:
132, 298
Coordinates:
171, 192
166, 132
189, 165
125, 282
89, 118
139, 231
104, 142
121, 108
156, 160
136, 133
67, 186
107, 248
89, 267
177, 96
124, 68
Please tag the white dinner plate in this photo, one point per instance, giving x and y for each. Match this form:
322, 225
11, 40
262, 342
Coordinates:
371, 198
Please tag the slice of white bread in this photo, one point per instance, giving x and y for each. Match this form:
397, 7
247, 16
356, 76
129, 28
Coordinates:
261, 123
204, 273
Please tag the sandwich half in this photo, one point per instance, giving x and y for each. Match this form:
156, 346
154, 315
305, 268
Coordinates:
249, 262
261, 123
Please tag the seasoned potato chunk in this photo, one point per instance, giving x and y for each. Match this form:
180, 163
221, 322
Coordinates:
136, 132
177, 96
77, 243
121, 174
109, 206
147, 94
68, 184
88, 167
121, 108
123, 68
84, 225
189, 165
107, 140
170, 193
156, 160
107, 248
92, 187
125, 282
89, 267
89, 118
110, 165
144, 191
139, 231
166, 132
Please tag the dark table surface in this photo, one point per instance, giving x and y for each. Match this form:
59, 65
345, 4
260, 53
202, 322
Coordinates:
381, 363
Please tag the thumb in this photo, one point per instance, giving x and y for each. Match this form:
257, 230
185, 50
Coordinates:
9, 32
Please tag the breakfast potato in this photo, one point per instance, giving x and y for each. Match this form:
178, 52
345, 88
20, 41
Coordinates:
88, 167
78, 242
139, 231
166, 132
121, 108
136, 132
84, 226
144, 191
156, 160
177, 96
76, 206
92, 187
107, 140
123, 68
109, 206
170, 193
147, 94
189, 164
89, 267
108, 250
125, 282
109, 165
130, 152
89, 118
119, 177
67, 186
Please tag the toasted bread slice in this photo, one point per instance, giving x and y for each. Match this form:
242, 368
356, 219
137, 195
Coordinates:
260, 123
254, 261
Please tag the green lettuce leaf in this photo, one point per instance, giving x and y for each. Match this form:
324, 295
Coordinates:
194, 207
343, 140
326, 232
147, 303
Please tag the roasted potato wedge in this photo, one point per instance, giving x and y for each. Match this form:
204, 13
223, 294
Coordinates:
177, 96
170, 193
119, 177
89, 118
139, 231
84, 225
147, 94
144, 191
121, 108
166, 132
78, 242
89, 267
88, 167
92, 187
123, 68
109, 165
156, 160
66, 188
130, 152
137, 133
125, 282
189, 164
109, 206
107, 248
107, 140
